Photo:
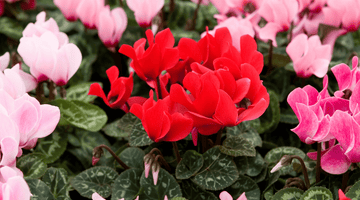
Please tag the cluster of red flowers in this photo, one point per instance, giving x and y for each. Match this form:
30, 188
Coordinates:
212, 84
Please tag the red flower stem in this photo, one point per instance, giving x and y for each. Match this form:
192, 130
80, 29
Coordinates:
158, 88
303, 167
290, 31
176, 151
318, 158
218, 137
40, 92
193, 22
98, 151
52, 90
345, 178
163, 161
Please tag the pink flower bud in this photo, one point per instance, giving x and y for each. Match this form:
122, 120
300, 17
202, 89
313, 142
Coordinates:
95, 160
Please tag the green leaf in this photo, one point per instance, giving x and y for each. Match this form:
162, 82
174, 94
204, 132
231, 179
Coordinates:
218, 172
32, 166
52, 147
278, 60
121, 127
178, 198
354, 191
242, 164
80, 92
192, 191
133, 157
127, 184
81, 114
166, 185
64, 25
10, 28
317, 193
245, 130
190, 164
288, 194
96, 179
288, 116
56, 179
39, 190
139, 137
237, 146
274, 155
256, 165
247, 185
270, 119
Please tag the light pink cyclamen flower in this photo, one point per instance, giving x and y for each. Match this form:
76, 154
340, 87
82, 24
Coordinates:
221, 5
13, 186
347, 13
279, 14
41, 26
4, 61
88, 12
96, 196
32, 119
145, 10
309, 56
48, 60
111, 25
68, 8
314, 6
237, 27
226, 196
16, 82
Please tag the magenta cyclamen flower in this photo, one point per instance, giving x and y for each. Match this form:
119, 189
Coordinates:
111, 25
145, 10
279, 14
309, 56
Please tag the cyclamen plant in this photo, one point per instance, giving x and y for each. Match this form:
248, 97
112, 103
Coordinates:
198, 99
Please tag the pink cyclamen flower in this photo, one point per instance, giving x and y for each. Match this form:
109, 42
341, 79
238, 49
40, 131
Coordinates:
96, 196
226, 196
32, 119
13, 186
309, 56
145, 10
279, 14
346, 129
48, 60
68, 8
348, 13
88, 12
16, 82
111, 25
4, 61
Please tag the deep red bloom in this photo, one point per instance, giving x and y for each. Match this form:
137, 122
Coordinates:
163, 119
120, 90
159, 56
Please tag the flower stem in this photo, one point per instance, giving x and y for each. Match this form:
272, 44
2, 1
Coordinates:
163, 161
303, 167
318, 157
62, 92
345, 178
40, 92
52, 90
176, 151
218, 137
97, 152
121, 3
193, 22
172, 6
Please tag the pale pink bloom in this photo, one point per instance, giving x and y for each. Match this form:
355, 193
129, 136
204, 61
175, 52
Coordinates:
279, 14
4, 61
348, 13
226, 196
237, 28
309, 56
96, 196
203, 2
13, 186
308, 24
111, 25
32, 119
314, 110
68, 8
16, 82
145, 10
245, 6
345, 128
41, 26
88, 12
314, 6
346, 78
48, 60
221, 5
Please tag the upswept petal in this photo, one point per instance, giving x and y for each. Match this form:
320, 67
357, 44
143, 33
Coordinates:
334, 161
308, 122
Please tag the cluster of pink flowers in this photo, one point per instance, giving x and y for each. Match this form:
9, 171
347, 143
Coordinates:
333, 119
24, 4
301, 18
47, 51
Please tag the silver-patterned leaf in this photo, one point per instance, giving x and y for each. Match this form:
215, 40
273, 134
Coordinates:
190, 164
127, 184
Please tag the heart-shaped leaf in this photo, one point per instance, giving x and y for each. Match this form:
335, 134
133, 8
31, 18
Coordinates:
190, 164
127, 184
32, 166
288, 194
237, 146
121, 127
133, 157
139, 137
